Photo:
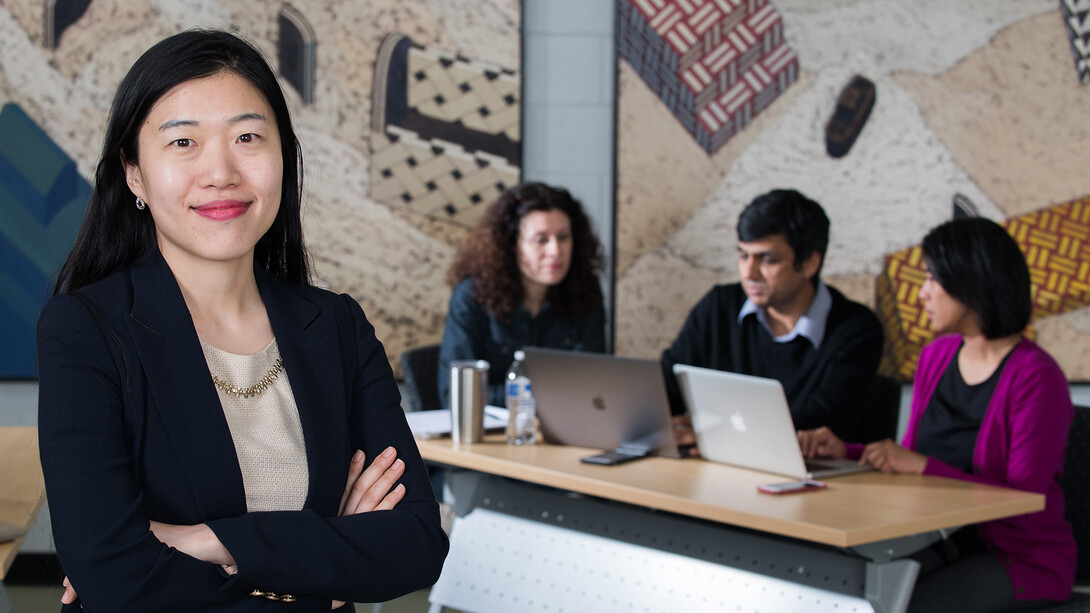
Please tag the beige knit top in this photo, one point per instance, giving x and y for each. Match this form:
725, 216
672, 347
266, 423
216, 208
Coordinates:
266, 430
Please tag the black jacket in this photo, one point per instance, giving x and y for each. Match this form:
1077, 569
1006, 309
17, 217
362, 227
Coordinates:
131, 429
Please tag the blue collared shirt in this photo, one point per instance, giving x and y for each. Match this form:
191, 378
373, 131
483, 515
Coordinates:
811, 325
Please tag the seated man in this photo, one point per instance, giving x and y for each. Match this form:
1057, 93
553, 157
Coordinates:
782, 322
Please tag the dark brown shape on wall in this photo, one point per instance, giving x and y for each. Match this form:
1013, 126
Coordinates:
852, 110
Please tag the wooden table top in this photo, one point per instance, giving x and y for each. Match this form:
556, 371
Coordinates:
22, 488
852, 510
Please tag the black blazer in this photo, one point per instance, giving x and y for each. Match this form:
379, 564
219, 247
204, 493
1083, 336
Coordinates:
131, 429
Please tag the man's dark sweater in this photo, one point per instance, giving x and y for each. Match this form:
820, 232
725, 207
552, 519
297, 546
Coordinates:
824, 387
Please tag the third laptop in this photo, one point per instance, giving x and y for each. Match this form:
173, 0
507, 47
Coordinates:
745, 421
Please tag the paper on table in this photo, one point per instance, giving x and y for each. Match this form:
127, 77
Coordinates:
433, 424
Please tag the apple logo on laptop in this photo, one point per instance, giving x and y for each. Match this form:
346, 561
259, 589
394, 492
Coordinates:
738, 422
598, 402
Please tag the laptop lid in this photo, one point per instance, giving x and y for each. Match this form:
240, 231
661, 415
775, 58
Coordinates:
745, 421
601, 401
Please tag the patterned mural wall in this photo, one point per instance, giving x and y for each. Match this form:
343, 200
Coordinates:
42, 199
407, 110
1056, 242
894, 114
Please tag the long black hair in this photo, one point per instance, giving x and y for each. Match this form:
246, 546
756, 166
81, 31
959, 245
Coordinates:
981, 266
114, 233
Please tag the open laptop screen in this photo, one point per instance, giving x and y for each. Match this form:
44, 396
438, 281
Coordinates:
601, 401
745, 421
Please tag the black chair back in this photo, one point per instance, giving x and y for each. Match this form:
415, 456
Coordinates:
1075, 486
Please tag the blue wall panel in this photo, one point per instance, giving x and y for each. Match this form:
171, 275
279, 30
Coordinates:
42, 200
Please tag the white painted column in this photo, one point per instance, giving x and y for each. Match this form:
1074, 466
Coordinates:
570, 74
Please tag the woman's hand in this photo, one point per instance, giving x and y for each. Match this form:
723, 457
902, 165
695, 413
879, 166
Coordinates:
889, 457
69, 596
198, 541
820, 443
369, 490
372, 489
366, 490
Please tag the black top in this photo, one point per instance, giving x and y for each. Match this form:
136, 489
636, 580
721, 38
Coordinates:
472, 333
949, 426
824, 386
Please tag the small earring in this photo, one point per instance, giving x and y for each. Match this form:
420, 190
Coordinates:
140, 203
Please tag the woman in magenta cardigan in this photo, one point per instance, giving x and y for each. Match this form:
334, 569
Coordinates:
988, 406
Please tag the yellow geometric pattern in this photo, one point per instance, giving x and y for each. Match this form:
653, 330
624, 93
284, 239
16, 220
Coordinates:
1056, 242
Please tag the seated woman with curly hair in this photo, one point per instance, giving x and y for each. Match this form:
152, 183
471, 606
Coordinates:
527, 275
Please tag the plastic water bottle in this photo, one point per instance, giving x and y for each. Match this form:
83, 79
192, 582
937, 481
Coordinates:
521, 427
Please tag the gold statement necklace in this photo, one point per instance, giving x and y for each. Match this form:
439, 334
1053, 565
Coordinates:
255, 389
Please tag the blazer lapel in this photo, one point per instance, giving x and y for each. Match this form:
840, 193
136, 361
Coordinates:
181, 389
310, 345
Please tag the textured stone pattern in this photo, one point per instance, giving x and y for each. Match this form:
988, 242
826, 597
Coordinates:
976, 97
1076, 15
390, 258
715, 63
1056, 242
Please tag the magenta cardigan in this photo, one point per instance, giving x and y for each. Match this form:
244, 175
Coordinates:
1021, 445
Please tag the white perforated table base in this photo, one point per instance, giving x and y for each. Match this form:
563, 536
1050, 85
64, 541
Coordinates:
500, 564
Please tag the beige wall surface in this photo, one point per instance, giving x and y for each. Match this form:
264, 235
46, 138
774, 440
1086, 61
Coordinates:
978, 97
392, 260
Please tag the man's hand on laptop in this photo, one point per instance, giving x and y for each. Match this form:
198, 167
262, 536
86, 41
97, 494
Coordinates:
683, 434
820, 443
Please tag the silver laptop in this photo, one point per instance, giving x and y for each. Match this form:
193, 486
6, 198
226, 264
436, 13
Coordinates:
601, 401
745, 421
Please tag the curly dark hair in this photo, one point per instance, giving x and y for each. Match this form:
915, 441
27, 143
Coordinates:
490, 254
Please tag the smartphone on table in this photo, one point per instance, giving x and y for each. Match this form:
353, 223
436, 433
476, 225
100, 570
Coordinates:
791, 487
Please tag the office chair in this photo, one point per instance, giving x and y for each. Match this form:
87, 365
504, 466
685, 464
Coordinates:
1076, 498
421, 368
1077, 510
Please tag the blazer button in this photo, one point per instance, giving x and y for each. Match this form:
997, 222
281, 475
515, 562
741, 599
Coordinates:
272, 596
288, 598
257, 592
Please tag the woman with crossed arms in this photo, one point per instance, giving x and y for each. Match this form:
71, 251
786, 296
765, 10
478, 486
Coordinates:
216, 433
989, 406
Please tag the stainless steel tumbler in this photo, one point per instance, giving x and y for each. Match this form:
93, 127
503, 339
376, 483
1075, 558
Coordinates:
468, 395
